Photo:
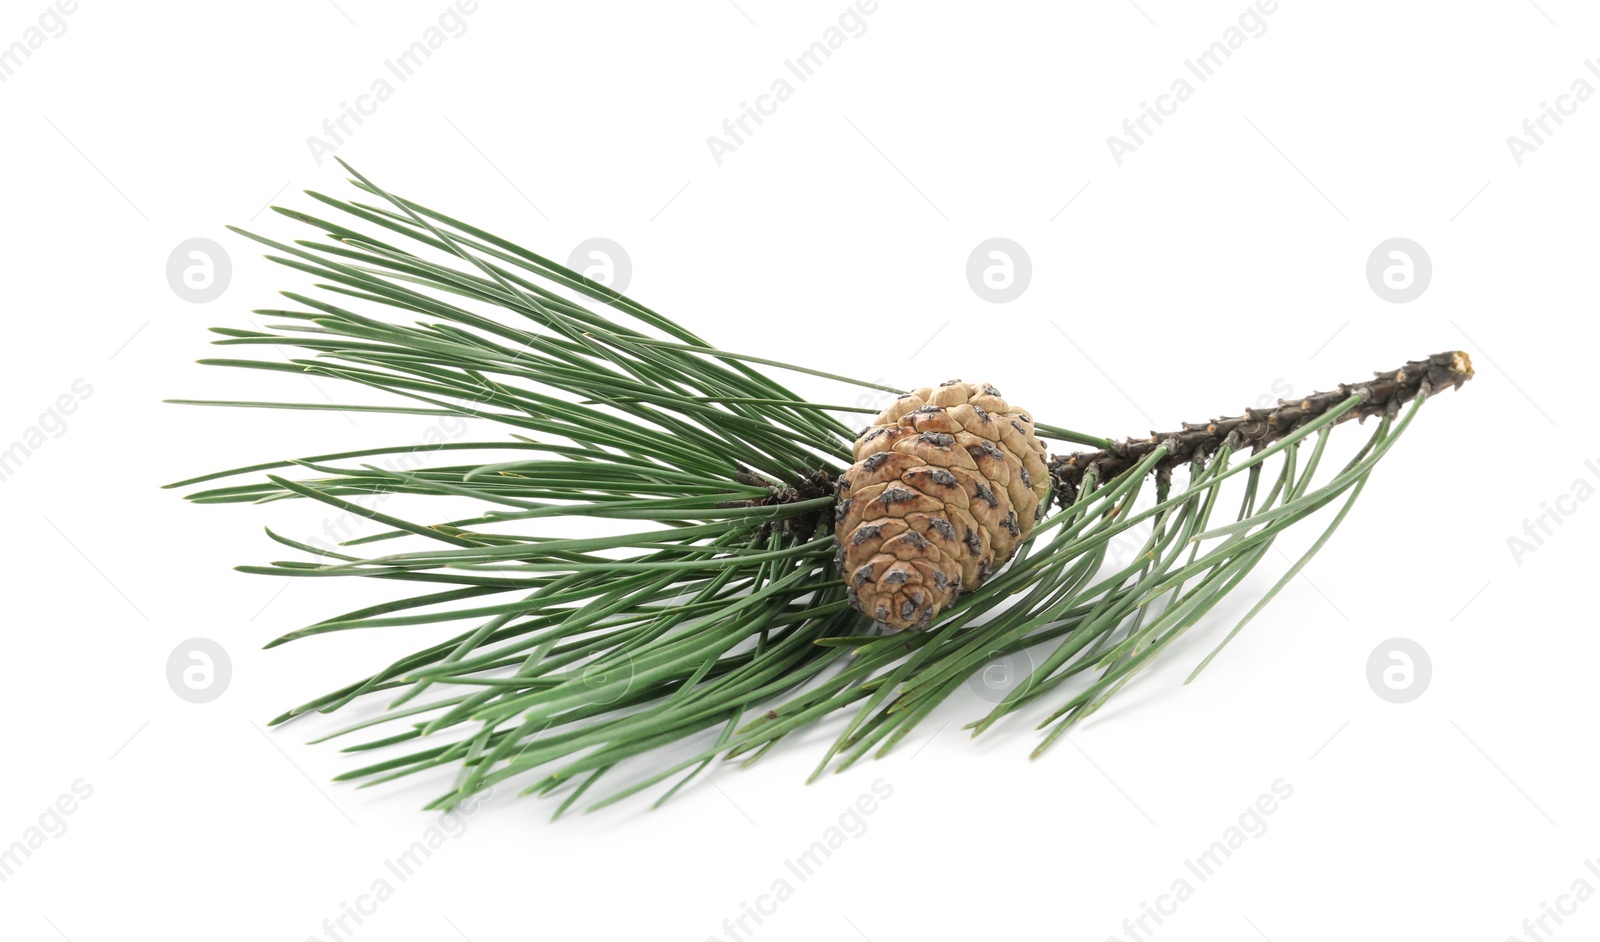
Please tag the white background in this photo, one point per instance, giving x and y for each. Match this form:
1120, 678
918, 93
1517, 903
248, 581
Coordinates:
1223, 260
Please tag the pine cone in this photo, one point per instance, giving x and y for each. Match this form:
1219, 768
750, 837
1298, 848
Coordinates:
947, 482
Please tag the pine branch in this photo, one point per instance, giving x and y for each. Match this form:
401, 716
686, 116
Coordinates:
715, 623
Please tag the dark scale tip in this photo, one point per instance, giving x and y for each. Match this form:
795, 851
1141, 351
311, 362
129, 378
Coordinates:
1010, 523
950, 382
863, 574
985, 570
982, 413
942, 477
908, 608
987, 496
942, 439
1018, 426
941, 580
990, 450
868, 435
929, 409
991, 391
841, 510
973, 543
881, 613
865, 533
894, 577
895, 495
915, 539
945, 529
874, 461
1027, 479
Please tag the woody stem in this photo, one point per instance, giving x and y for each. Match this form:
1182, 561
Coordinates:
1259, 428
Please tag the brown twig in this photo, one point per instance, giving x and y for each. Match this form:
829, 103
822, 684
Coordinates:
818, 483
1259, 428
